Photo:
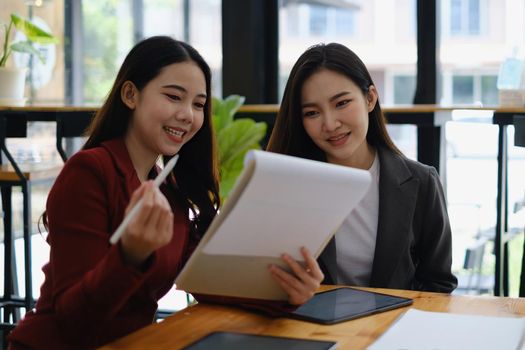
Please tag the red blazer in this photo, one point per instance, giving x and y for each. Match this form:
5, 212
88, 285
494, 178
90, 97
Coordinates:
90, 296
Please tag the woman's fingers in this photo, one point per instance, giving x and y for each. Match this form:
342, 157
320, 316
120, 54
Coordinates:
296, 296
148, 200
305, 280
310, 273
154, 213
159, 213
299, 271
152, 228
153, 205
291, 280
164, 224
138, 194
312, 267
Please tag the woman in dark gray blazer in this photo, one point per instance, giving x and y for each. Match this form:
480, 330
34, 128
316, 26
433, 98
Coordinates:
399, 235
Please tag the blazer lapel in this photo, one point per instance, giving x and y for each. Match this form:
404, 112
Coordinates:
120, 155
397, 198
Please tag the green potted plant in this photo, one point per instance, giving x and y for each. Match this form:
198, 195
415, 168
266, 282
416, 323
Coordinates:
12, 80
235, 137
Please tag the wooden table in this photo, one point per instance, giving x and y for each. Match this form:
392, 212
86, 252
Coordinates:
194, 322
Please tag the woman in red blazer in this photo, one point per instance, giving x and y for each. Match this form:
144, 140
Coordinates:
95, 292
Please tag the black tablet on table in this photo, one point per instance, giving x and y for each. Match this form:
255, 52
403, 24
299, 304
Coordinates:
343, 304
231, 340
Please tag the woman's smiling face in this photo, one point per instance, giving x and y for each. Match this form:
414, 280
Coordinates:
335, 116
169, 110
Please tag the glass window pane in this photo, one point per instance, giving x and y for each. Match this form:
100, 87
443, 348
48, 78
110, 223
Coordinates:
107, 38
455, 16
318, 22
473, 15
490, 30
45, 80
404, 87
381, 33
463, 89
44, 86
206, 36
164, 17
292, 23
344, 22
489, 90
477, 53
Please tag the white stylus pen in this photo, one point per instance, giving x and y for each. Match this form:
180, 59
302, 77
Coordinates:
133, 212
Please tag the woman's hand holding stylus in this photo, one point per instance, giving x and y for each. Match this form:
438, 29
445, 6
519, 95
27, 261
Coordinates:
151, 228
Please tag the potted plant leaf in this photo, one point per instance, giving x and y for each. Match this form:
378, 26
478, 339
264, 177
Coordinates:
235, 137
12, 80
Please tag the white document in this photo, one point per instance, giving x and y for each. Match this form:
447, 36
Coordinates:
424, 330
288, 202
279, 203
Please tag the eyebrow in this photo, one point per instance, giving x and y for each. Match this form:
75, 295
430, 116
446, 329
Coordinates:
335, 97
342, 93
182, 89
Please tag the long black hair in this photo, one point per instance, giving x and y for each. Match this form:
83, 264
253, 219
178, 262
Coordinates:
288, 135
196, 171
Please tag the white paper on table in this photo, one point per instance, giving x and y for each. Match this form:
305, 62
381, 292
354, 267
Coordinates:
287, 200
424, 330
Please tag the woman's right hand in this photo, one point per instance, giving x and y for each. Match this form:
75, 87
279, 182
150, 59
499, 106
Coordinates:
152, 227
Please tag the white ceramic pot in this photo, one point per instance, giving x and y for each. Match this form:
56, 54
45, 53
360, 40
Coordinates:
12, 83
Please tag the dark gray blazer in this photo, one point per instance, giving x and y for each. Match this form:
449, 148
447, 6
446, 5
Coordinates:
413, 244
